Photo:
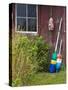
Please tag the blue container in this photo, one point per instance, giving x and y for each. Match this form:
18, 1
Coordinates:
52, 68
58, 65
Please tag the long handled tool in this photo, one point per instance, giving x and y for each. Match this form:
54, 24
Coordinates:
60, 46
59, 58
58, 35
54, 55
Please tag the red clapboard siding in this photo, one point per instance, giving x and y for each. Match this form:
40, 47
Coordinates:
44, 13
43, 16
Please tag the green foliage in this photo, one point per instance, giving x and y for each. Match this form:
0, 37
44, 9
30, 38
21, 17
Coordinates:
22, 66
63, 67
16, 82
43, 57
29, 55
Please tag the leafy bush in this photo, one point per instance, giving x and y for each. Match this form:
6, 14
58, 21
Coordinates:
63, 67
40, 53
29, 55
43, 57
22, 66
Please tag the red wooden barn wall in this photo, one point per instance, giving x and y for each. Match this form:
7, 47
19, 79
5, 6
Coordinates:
44, 13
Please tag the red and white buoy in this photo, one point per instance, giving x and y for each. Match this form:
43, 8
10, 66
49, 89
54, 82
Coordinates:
59, 59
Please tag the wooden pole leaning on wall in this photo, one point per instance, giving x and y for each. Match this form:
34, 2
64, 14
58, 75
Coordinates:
58, 34
60, 46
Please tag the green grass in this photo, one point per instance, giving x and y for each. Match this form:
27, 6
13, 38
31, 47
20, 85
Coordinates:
49, 78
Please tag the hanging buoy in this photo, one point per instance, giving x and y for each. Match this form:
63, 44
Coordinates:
51, 24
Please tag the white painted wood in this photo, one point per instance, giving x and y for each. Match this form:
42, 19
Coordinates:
26, 17
37, 16
15, 17
58, 34
60, 46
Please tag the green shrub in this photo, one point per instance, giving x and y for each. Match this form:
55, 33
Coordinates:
40, 53
43, 57
29, 55
63, 67
22, 66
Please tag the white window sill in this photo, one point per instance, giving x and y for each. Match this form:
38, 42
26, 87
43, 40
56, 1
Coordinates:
26, 32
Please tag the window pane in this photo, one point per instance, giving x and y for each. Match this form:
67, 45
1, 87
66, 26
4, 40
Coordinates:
21, 24
31, 10
31, 24
21, 10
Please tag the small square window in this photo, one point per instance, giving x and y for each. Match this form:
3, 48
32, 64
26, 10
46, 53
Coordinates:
26, 17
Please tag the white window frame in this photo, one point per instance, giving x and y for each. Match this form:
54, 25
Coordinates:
26, 32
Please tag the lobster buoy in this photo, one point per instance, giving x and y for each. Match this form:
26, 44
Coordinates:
59, 56
52, 68
58, 62
54, 56
53, 62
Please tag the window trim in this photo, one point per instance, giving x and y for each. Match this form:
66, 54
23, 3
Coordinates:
26, 32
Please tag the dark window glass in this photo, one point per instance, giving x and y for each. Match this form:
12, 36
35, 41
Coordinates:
31, 24
31, 10
22, 17
21, 24
21, 10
